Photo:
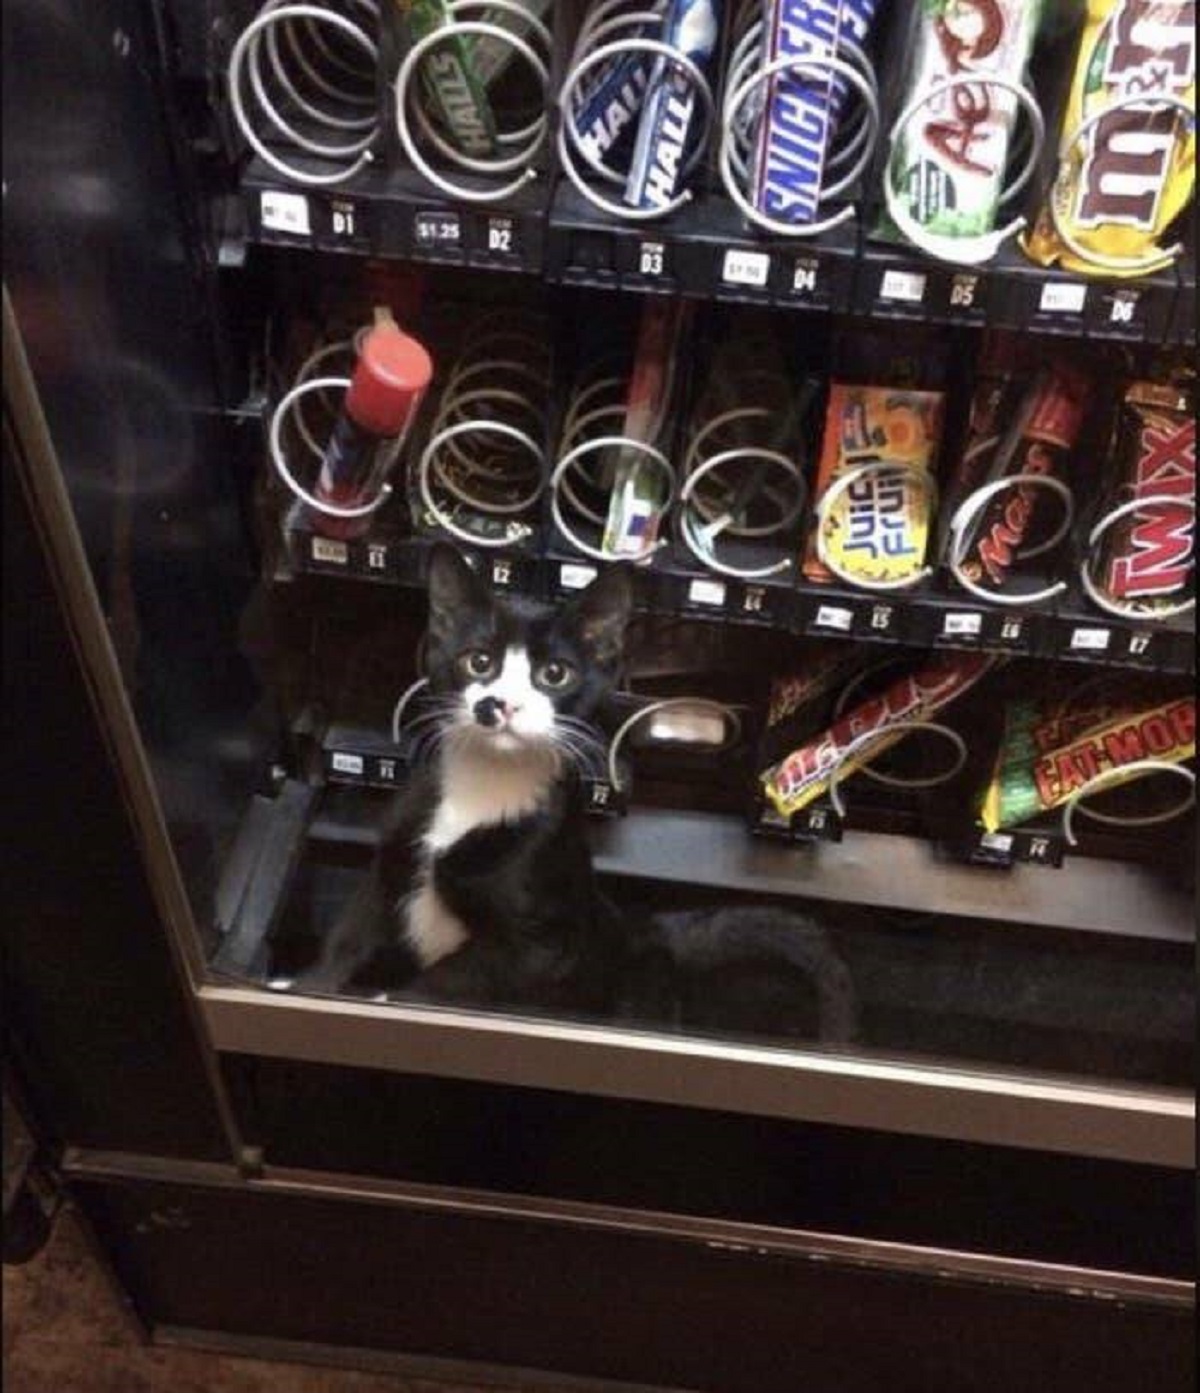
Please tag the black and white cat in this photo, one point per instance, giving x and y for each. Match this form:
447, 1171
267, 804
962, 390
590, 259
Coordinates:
482, 890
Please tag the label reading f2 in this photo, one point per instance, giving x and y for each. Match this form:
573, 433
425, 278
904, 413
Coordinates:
741, 267
437, 230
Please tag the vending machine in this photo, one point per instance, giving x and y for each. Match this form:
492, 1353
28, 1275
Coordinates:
600, 659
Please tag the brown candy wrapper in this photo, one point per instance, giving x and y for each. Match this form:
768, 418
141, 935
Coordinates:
1119, 187
1044, 418
1151, 555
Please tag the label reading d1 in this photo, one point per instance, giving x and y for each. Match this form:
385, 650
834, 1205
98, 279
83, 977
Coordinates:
437, 230
742, 267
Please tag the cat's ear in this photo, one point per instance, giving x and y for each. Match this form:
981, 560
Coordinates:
454, 591
601, 614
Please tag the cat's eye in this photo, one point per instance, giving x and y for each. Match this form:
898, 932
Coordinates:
554, 676
478, 663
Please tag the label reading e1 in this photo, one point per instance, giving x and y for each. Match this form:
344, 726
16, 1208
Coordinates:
336, 553
437, 230
284, 212
742, 267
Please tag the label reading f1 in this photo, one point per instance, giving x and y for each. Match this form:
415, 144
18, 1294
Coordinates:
1062, 297
437, 230
907, 287
742, 267
284, 212
1090, 640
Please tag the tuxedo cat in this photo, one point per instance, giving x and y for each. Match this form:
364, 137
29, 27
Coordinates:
482, 890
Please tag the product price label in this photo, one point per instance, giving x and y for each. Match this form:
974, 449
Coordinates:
834, 617
332, 553
284, 212
437, 230
1062, 297
742, 267
903, 287
346, 764
707, 592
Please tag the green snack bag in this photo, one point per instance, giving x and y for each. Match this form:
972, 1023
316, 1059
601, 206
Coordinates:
449, 79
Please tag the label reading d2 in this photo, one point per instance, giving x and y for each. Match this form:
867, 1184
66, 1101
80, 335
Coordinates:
432, 230
502, 237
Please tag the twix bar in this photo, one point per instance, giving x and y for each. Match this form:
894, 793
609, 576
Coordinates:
1151, 553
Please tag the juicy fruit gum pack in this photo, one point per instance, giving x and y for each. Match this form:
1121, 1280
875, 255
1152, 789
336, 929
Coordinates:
1043, 761
1120, 187
878, 529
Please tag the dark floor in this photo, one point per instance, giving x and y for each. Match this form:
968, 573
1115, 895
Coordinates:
64, 1332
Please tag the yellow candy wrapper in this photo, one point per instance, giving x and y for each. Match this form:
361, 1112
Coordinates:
877, 530
1127, 167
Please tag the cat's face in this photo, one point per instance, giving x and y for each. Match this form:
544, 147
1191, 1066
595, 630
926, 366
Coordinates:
515, 674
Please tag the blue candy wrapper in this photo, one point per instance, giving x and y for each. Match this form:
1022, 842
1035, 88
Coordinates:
692, 27
802, 112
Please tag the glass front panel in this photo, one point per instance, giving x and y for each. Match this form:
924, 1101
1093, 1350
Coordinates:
664, 662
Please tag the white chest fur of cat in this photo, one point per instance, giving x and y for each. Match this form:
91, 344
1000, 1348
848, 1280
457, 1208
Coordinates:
480, 787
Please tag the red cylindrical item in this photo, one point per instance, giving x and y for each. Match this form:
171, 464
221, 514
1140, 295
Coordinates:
392, 373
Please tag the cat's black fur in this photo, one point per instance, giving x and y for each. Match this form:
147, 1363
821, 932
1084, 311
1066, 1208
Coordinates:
543, 937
